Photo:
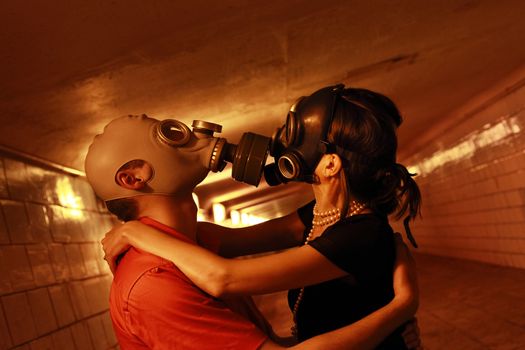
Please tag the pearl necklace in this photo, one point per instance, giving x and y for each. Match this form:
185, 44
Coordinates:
320, 219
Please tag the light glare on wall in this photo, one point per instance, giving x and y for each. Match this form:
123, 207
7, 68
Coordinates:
195, 199
235, 217
490, 134
69, 199
250, 219
200, 213
219, 212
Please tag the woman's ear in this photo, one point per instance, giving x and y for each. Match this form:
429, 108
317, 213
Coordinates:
331, 165
134, 178
334, 165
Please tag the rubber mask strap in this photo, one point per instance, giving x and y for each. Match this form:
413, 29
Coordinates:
337, 89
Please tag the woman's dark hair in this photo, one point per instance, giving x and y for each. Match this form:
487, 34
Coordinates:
126, 209
364, 129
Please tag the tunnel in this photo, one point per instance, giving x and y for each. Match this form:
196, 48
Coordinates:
455, 70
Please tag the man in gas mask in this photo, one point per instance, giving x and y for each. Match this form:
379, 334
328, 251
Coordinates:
143, 168
146, 169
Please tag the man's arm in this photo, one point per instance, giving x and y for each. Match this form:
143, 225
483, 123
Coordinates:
276, 234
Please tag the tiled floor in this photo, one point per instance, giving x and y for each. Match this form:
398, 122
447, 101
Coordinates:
464, 305
468, 305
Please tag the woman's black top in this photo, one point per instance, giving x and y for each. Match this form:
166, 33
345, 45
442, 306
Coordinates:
362, 245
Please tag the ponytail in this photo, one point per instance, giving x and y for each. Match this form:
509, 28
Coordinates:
409, 198
363, 131
387, 190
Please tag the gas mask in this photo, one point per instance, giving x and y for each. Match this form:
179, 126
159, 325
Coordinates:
180, 158
301, 142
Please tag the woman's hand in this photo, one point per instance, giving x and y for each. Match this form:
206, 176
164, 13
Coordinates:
411, 335
116, 242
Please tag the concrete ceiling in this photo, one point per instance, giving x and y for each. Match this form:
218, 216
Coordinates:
69, 67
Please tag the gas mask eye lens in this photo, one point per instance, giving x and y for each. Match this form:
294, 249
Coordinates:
289, 166
173, 132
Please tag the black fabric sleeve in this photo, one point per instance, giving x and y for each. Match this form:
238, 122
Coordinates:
360, 246
306, 213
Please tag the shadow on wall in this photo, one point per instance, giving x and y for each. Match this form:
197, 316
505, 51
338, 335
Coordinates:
54, 283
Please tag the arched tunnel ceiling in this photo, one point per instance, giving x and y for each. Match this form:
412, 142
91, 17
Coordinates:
69, 67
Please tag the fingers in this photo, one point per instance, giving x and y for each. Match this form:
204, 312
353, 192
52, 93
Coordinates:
411, 326
114, 245
411, 335
411, 338
415, 344
111, 266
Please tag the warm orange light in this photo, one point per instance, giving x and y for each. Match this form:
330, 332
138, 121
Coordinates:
219, 212
235, 217
489, 135
250, 219
69, 199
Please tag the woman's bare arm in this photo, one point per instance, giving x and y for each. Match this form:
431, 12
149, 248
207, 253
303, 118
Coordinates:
276, 234
289, 269
220, 276
370, 331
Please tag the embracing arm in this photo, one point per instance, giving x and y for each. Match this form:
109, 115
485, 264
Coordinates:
290, 269
368, 332
276, 234
219, 276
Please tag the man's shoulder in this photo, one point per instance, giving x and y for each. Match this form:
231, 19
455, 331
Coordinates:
152, 300
134, 265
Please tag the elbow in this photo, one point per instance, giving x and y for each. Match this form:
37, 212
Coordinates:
216, 290
216, 283
410, 305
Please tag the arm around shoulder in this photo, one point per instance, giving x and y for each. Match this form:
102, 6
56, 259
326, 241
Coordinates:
368, 332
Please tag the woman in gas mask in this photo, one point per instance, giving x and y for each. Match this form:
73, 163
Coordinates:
343, 142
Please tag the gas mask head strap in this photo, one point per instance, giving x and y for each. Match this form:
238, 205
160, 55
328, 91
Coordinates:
326, 146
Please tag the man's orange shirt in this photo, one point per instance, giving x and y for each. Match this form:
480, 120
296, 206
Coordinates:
154, 305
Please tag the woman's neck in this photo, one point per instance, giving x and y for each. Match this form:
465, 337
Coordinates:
328, 195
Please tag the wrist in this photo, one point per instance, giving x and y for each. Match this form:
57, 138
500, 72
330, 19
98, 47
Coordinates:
127, 234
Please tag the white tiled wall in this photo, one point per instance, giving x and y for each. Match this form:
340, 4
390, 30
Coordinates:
54, 284
472, 178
